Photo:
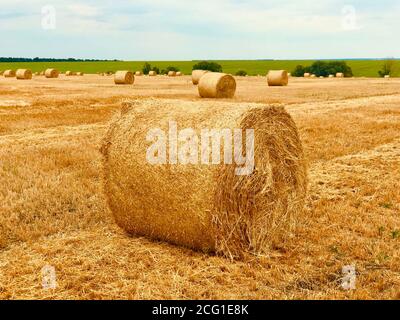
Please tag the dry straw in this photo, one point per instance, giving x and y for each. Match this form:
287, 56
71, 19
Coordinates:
152, 73
24, 74
124, 77
196, 75
51, 73
171, 74
9, 74
206, 207
217, 85
278, 78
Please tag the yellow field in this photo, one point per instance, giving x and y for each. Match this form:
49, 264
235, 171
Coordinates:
53, 211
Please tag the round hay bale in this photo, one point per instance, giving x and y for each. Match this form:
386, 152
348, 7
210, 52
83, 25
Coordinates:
124, 77
70, 73
339, 75
138, 73
201, 205
9, 74
307, 75
37, 73
179, 74
80, 74
217, 85
313, 76
152, 73
277, 78
387, 76
51, 73
197, 74
171, 74
23, 74
331, 76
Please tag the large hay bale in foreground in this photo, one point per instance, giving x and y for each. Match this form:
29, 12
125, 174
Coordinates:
23, 74
205, 206
124, 77
197, 74
217, 85
9, 74
277, 78
152, 73
339, 75
51, 73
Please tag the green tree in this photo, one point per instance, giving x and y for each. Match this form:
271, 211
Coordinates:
208, 65
241, 73
387, 68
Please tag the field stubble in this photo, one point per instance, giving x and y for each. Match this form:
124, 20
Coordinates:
53, 209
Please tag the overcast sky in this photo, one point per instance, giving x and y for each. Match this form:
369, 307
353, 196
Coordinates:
206, 29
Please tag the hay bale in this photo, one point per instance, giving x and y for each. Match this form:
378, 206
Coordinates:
152, 73
277, 78
339, 75
206, 207
138, 73
307, 75
387, 76
331, 76
9, 74
23, 74
197, 74
171, 73
217, 85
179, 74
51, 73
313, 76
70, 73
80, 74
37, 73
124, 77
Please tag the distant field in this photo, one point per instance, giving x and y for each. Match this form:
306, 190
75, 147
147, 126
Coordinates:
361, 68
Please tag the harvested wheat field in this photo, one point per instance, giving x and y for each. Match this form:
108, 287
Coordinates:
54, 211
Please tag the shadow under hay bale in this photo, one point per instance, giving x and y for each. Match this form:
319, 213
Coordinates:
203, 206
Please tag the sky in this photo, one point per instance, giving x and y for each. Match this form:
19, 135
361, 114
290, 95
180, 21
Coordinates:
206, 29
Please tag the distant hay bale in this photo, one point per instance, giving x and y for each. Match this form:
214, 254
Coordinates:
124, 77
331, 76
80, 74
37, 73
152, 73
51, 73
277, 78
217, 85
307, 75
313, 76
321, 77
171, 74
138, 73
197, 74
178, 74
23, 74
387, 76
9, 74
339, 75
203, 206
